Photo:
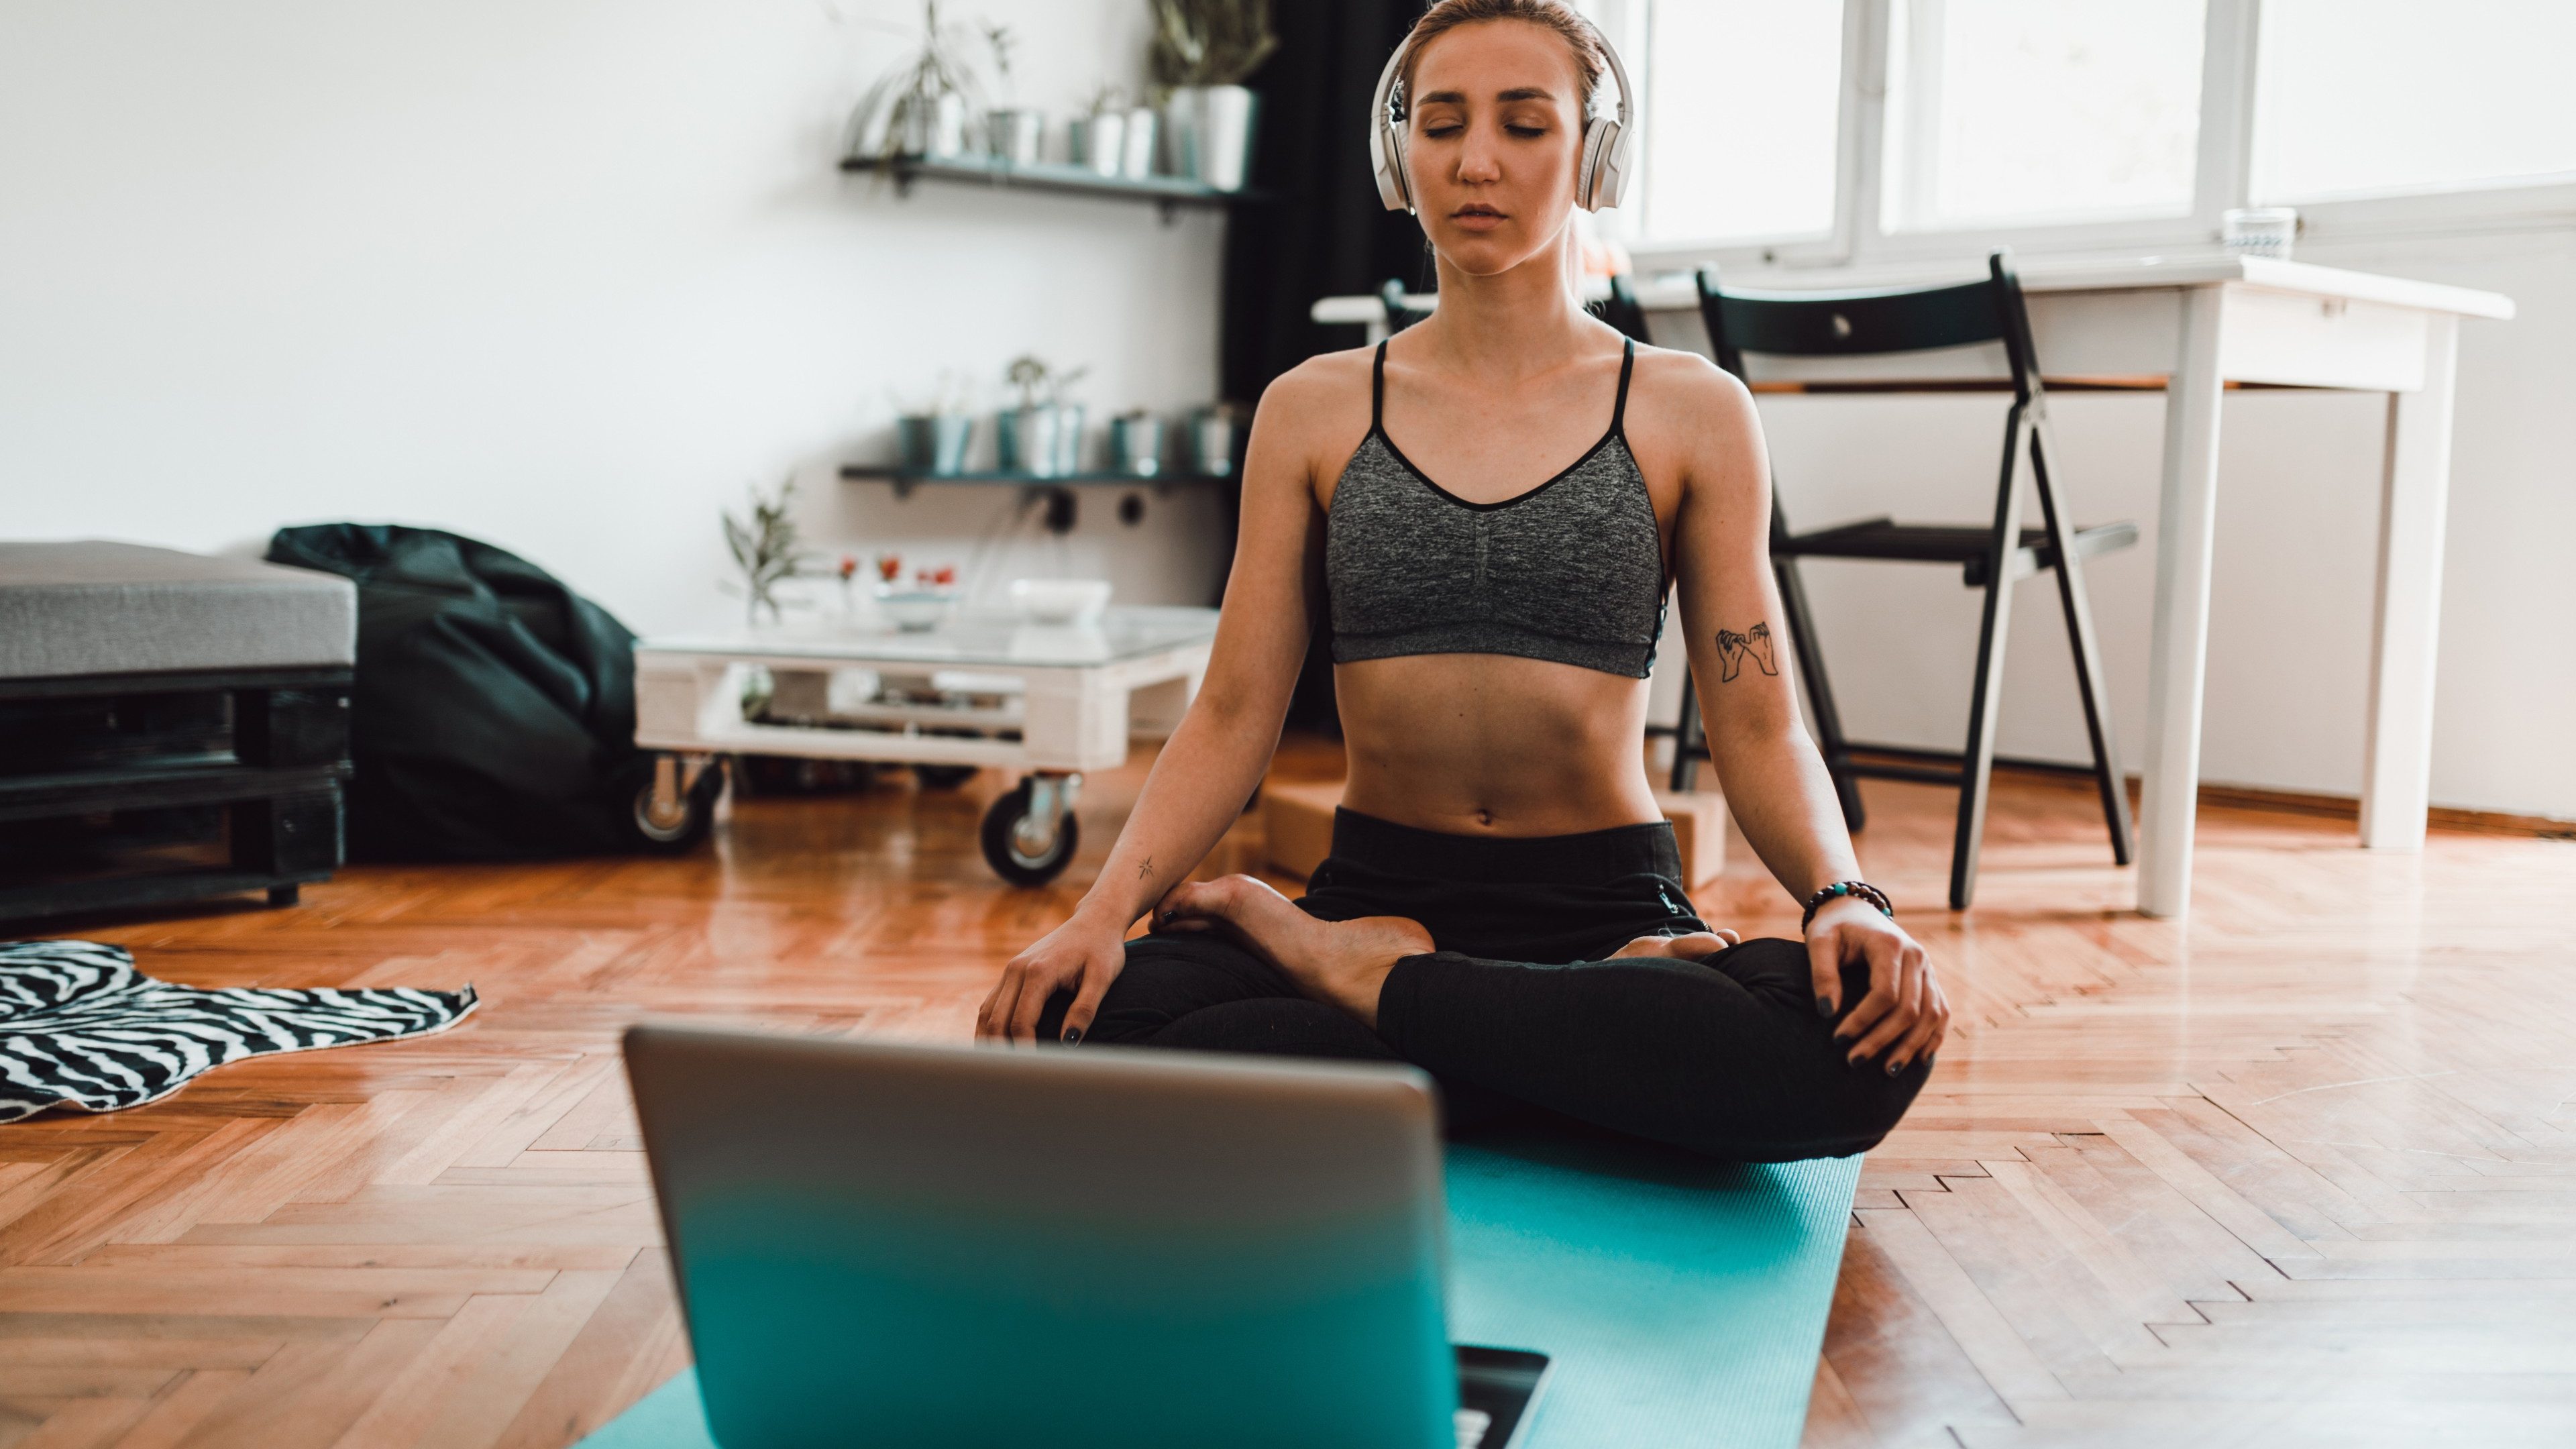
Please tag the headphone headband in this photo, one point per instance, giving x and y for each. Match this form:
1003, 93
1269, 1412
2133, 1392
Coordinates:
1601, 175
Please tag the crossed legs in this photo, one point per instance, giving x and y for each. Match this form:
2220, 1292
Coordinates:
1698, 1041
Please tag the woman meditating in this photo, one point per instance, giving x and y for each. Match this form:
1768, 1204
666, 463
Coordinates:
1490, 507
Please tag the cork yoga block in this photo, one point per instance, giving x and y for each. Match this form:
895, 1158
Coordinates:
1297, 823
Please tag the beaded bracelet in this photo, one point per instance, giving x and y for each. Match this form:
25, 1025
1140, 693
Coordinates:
1861, 888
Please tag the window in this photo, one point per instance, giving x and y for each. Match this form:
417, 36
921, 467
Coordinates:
2040, 110
1815, 132
1741, 108
2373, 97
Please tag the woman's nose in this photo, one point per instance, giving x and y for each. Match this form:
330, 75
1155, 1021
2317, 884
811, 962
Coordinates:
1480, 159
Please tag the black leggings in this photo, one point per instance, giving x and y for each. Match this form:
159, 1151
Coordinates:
1517, 1014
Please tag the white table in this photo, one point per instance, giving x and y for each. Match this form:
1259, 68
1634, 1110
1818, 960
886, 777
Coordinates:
2193, 325
978, 690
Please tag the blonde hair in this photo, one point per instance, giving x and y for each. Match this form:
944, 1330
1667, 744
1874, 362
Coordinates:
1556, 15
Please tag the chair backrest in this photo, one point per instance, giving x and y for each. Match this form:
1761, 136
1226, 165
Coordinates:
1622, 310
1859, 324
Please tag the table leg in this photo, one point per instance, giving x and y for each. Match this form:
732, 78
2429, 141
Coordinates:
2397, 753
2178, 657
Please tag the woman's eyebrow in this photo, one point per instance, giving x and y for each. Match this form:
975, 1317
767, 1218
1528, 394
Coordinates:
1516, 93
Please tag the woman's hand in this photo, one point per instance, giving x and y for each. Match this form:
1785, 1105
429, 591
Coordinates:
1696, 946
1083, 955
1904, 1014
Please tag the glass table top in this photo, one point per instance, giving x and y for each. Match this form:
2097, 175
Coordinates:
965, 638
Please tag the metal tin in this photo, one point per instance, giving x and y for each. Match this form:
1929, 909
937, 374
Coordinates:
1024, 438
935, 443
1098, 143
1136, 445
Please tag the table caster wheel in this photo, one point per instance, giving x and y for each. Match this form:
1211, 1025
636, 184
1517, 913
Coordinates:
675, 808
1030, 834
943, 777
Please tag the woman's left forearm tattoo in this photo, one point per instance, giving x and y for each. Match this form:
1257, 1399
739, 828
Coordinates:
1754, 644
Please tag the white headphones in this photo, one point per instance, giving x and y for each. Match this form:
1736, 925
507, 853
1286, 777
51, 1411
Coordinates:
1599, 181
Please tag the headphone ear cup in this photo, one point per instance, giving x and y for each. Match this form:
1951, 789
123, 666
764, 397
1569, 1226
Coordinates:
1392, 187
1587, 175
1604, 178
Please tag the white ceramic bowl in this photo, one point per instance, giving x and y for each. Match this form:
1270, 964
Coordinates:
916, 610
1060, 601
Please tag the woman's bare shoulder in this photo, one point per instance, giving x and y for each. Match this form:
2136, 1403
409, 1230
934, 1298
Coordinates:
1690, 419
1686, 384
1318, 410
1320, 387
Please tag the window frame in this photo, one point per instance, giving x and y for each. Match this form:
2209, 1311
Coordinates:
2223, 173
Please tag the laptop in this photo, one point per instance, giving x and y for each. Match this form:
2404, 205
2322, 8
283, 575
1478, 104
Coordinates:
926, 1246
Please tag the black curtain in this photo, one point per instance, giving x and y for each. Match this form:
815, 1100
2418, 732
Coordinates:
1322, 232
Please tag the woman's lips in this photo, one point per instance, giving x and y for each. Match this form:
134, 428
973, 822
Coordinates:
1477, 218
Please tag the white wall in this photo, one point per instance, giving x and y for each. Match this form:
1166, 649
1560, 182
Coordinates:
569, 274
563, 274
2298, 522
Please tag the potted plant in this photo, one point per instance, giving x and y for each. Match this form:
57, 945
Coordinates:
1013, 133
920, 108
767, 550
1204, 50
1096, 140
1068, 420
1136, 443
932, 437
1033, 438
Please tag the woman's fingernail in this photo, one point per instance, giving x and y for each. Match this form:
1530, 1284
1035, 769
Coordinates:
1825, 1007
1072, 1035
1893, 1067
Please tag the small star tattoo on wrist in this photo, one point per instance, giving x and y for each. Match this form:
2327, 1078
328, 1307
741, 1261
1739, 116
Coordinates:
1146, 869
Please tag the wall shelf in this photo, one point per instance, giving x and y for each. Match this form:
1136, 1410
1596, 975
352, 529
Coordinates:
905, 480
1167, 192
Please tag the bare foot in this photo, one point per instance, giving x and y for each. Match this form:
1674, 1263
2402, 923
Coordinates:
1696, 946
1340, 963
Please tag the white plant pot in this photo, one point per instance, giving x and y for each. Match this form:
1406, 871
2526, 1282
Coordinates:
1136, 160
1098, 143
1212, 134
1014, 135
939, 129
1025, 440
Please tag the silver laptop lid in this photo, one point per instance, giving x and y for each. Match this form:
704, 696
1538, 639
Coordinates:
934, 1246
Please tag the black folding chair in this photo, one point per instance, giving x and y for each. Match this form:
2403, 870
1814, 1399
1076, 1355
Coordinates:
1992, 558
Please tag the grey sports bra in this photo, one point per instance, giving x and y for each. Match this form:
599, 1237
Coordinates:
1570, 571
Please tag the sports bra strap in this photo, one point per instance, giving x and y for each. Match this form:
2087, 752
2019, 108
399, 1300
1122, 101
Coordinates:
1377, 391
1619, 410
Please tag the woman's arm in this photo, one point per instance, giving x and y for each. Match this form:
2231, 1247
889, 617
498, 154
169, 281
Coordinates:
1217, 756
1775, 782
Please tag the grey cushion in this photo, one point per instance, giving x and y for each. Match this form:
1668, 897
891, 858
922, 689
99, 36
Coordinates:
120, 608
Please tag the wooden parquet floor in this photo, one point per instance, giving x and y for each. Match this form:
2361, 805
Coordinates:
2302, 1171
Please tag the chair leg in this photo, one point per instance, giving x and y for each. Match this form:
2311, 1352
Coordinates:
1689, 738
1977, 763
1811, 670
2108, 778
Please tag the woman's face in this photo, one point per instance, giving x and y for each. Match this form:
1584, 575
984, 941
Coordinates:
1493, 128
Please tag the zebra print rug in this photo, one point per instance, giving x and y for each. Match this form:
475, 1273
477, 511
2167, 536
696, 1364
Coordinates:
81, 1028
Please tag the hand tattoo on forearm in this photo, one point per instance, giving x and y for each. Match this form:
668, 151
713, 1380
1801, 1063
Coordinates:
1754, 644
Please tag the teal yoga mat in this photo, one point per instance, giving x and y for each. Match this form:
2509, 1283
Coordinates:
1682, 1300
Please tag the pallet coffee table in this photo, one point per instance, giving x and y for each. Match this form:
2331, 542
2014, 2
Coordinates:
977, 690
